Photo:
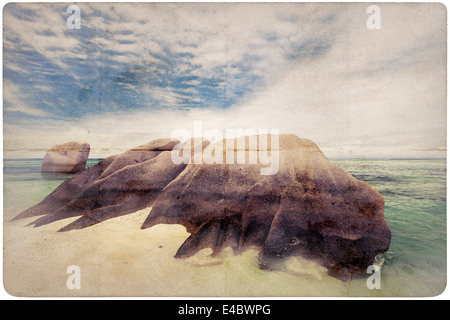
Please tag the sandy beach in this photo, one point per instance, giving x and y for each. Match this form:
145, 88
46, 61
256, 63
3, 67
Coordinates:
117, 258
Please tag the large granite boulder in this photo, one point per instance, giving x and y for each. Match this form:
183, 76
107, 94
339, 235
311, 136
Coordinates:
310, 207
307, 207
69, 157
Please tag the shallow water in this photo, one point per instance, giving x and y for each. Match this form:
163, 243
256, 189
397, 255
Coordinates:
415, 210
118, 258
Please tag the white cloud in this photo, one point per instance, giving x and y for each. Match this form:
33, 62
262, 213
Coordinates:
27, 110
371, 93
13, 97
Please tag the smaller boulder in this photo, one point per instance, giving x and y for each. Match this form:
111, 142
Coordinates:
70, 157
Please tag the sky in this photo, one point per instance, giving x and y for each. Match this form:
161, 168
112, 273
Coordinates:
135, 72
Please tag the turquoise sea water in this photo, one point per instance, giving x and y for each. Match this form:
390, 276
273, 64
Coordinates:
24, 185
415, 210
415, 193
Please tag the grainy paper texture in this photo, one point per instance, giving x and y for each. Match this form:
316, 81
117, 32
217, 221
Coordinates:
127, 171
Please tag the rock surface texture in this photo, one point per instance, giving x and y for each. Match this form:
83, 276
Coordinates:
309, 207
69, 157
